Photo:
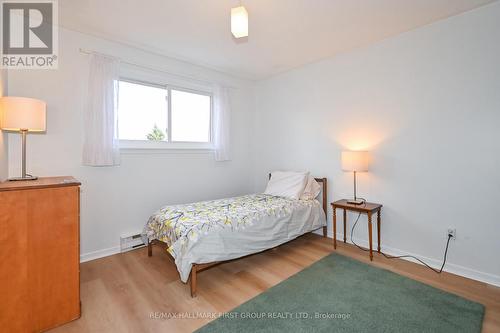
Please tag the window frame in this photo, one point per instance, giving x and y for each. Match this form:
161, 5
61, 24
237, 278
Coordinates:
169, 144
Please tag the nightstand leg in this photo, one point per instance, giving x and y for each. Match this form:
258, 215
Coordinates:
334, 228
378, 231
370, 234
345, 218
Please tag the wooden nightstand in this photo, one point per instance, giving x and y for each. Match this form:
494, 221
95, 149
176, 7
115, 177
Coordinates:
367, 208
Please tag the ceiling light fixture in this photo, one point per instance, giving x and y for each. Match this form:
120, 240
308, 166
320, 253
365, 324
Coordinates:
239, 22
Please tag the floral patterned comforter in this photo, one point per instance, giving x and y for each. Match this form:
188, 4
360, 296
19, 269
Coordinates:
189, 222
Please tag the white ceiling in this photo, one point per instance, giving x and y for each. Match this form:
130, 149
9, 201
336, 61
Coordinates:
283, 33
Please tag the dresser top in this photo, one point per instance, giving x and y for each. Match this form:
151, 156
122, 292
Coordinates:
42, 182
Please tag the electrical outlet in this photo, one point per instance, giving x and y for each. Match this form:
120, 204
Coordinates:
452, 232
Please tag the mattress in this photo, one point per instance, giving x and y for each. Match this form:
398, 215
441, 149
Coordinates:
225, 229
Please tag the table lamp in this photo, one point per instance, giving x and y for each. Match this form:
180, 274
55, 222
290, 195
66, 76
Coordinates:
23, 115
355, 161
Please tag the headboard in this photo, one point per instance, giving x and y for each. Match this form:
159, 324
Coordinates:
324, 192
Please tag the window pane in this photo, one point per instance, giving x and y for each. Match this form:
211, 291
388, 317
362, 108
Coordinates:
142, 112
190, 116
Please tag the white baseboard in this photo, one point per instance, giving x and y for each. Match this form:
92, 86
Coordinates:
434, 263
99, 253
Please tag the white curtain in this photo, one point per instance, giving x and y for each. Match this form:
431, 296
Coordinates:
222, 120
101, 144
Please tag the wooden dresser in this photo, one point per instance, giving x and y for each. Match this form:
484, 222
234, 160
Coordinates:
39, 253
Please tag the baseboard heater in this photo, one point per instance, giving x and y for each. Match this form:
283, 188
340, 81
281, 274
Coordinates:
130, 242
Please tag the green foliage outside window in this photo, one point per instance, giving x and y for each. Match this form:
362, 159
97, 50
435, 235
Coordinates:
156, 134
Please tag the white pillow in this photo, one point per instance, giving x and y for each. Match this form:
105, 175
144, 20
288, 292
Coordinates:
312, 189
288, 184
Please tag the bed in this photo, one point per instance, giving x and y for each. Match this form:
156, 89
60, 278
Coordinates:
203, 234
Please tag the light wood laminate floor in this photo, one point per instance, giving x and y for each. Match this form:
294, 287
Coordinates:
120, 293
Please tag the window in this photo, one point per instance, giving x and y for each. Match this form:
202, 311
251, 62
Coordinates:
190, 116
142, 112
155, 116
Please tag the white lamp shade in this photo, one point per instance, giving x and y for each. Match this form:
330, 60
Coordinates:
21, 113
355, 161
239, 22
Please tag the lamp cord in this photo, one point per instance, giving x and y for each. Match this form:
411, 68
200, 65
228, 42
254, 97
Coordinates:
402, 256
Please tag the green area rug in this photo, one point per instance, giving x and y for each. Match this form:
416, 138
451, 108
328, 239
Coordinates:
339, 294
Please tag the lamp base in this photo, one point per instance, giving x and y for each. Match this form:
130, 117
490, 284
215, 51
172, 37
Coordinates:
22, 178
355, 202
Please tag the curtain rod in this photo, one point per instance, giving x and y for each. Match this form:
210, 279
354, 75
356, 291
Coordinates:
84, 51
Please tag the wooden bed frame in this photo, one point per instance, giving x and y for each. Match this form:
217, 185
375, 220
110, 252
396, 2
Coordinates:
196, 268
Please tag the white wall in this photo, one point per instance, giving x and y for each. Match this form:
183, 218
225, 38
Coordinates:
426, 104
3, 136
120, 199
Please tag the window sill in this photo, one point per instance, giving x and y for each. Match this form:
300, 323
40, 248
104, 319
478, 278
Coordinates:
148, 147
171, 151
